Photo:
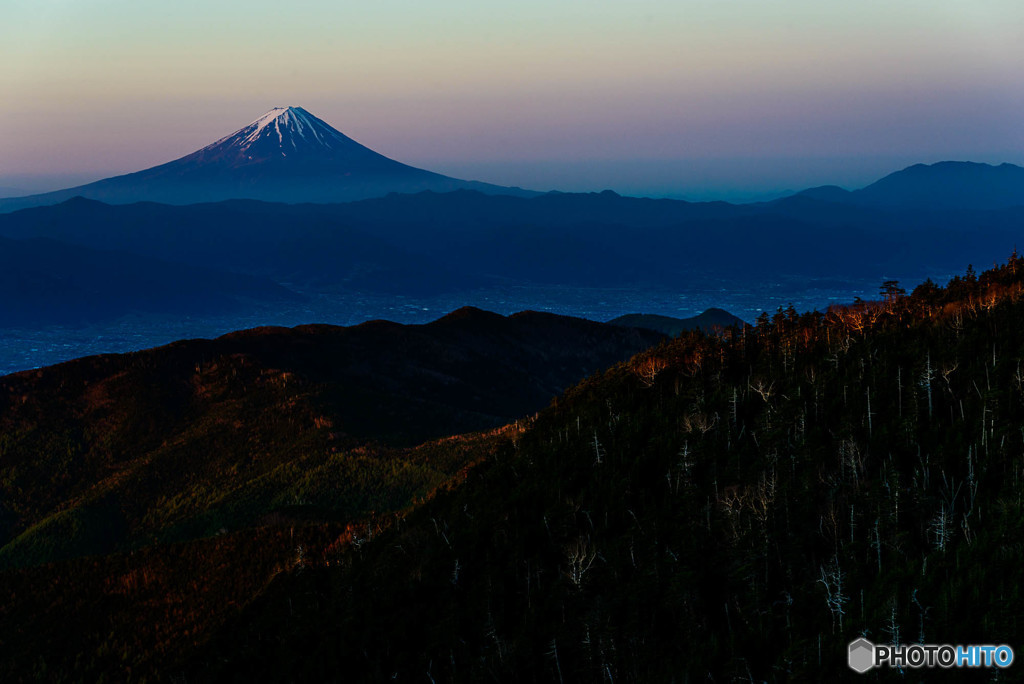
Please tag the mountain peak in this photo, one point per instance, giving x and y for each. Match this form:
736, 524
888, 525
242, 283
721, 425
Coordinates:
283, 116
286, 128
949, 185
285, 155
273, 115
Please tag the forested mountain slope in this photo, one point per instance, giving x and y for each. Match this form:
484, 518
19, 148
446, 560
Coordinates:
716, 509
143, 497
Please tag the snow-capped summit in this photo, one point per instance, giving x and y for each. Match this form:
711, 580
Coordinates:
293, 142
296, 122
283, 130
286, 155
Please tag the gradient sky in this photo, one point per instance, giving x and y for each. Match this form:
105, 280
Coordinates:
696, 98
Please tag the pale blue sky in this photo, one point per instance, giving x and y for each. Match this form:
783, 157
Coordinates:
688, 97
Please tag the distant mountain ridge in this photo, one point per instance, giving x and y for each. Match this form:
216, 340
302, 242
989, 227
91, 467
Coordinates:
944, 185
422, 243
708, 321
430, 243
286, 155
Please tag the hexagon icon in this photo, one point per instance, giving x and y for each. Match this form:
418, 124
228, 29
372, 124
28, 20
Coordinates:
862, 655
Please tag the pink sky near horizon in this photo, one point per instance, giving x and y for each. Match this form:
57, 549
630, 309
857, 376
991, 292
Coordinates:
653, 96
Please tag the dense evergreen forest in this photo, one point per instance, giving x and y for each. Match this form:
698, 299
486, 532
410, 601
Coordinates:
730, 507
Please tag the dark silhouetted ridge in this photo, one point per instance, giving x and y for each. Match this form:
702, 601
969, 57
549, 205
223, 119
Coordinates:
708, 321
941, 186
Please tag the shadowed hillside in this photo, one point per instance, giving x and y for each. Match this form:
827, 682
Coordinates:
735, 508
110, 452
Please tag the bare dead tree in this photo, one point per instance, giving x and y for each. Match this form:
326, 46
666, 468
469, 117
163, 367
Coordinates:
947, 370
922, 614
764, 389
868, 394
894, 626
732, 501
763, 497
877, 544
941, 529
926, 380
579, 556
699, 422
554, 654
649, 369
832, 578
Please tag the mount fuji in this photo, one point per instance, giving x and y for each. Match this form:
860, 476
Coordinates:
286, 155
